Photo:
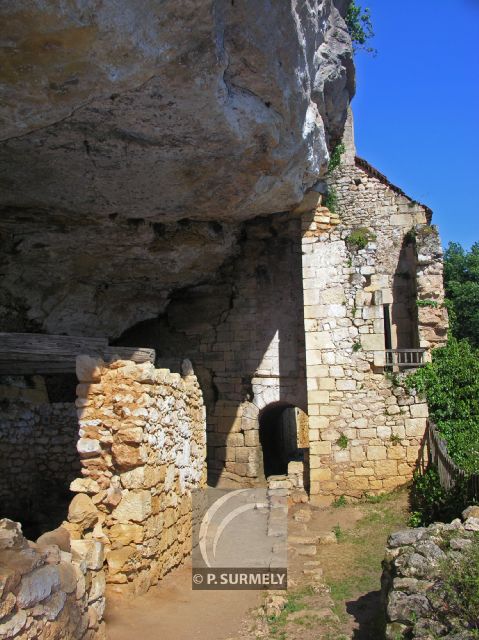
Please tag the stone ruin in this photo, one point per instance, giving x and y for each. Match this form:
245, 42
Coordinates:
414, 570
173, 203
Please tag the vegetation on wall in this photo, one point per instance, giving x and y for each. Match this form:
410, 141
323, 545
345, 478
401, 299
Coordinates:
335, 159
360, 237
460, 593
360, 27
461, 281
331, 201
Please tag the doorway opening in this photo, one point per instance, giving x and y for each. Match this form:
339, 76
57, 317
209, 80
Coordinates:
278, 434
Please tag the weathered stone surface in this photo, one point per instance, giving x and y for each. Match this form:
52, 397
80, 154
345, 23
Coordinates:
135, 506
59, 537
90, 551
11, 536
13, 624
413, 581
406, 609
82, 511
403, 538
88, 369
223, 113
37, 586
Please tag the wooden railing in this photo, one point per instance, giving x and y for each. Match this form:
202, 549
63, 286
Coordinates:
405, 358
449, 473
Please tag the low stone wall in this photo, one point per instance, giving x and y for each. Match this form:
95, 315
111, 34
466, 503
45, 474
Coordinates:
53, 588
143, 449
412, 581
38, 459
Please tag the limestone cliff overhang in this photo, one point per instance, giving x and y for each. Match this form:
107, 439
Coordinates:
372, 171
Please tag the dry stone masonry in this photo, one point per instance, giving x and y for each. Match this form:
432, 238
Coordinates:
141, 443
417, 560
54, 588
142, 448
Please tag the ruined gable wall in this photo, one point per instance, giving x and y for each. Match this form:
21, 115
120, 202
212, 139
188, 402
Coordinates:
142, 448
346, 288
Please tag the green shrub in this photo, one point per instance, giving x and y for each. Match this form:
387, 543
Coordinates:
358, 21
335, 159
331, 201
339, 502
461, 279
342, 441
360, 237
427, 303
429, 502
451, 386
459, 594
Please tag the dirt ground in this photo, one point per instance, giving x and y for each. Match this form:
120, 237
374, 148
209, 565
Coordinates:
333, 591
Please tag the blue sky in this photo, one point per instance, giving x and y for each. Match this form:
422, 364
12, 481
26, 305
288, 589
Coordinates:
417, 106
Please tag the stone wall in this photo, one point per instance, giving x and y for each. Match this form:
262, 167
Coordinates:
38, 456
142, 450
53, 588
244, 334
359, 264
412, 582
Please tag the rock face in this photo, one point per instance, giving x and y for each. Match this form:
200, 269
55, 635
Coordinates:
416, 565
136, 136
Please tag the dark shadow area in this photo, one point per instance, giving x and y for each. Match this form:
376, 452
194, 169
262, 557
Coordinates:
403, 310
368, 611
38, 455
278, 438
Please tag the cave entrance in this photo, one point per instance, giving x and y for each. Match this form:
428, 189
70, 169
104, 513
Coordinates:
278, 433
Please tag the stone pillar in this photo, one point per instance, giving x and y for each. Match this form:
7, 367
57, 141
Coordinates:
321, 262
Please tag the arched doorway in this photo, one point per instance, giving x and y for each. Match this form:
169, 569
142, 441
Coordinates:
278, 434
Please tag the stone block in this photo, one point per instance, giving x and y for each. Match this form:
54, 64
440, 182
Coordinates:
357, 454
318, 397
329, 410
415, 427
135, 506
385, 468
320, 475
88, 447
357, 483
320, 448
376, 453
119, 560
318, 422
346, 385
88, 369
82, 511
11, 536
419, 410
373, 342
85, 485
251, 438
37, 586
127, 456
89, 551
327, 384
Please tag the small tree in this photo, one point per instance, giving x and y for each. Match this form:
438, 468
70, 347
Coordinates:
461, 280
360, 27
